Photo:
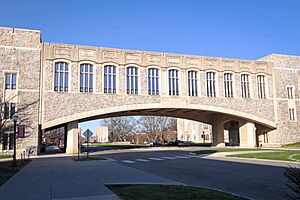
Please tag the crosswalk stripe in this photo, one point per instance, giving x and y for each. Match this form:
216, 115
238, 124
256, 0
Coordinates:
155, 159
128, 161
142, 160
169, 158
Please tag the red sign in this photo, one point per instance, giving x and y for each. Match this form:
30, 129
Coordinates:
21, 131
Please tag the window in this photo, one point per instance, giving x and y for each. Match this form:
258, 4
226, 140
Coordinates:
86, 78
261, 86
153, 81
245, 86
9, 110
192, 83
173, 82
290, 91
211, 84
292, 114
61, 79
228, 85
110, 83
11, 81
132, 80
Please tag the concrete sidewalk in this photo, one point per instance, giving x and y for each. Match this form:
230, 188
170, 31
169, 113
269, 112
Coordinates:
63, 178
54, 178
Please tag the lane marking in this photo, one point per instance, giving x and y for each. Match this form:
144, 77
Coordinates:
128, 161
142, 160
169, 158
181, 157
155, 159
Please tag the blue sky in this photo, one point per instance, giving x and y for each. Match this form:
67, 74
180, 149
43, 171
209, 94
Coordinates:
245, 29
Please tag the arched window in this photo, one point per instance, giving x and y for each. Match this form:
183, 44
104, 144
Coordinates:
86, 78
61, 78
245, 85
261, 86
192, 83
211, 84
153, 81
110, 82
173, 82
228, 85
132, 80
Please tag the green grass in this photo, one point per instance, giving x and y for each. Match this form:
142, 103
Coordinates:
292, 145
282, 155
89, 158
216, 150
161, 192
5, 156
121, 146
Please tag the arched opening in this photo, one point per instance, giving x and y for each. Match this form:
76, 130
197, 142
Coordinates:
231, 133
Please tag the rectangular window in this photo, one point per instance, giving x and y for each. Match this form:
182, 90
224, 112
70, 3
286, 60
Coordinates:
9, 110
228, 85
290, 91
61, 77
261, 86
132, 80
153, 81
173, 82
245, 86
86, 78
292, 114
192, 83
110, 79
11, 81
211, 84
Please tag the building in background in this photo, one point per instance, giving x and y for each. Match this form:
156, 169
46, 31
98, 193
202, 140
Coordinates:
102, 134
197, 132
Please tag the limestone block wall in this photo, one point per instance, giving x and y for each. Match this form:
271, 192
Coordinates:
286, 73
20, 52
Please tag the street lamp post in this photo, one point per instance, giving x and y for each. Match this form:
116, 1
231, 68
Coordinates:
15, 119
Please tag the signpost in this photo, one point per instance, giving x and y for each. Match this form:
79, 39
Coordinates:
87, 135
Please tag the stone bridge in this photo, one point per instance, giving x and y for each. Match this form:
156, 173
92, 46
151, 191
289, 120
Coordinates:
78, 83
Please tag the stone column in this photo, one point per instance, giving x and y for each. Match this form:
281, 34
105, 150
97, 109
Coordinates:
247, 134
72, 138
218, 133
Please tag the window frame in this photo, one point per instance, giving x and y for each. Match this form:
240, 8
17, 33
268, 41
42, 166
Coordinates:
233, 83
117, 66
93, 74
160, 87
250, 85
198, 82
178, 79
69, 75
11, 73
138, 79
265, 84
216, 82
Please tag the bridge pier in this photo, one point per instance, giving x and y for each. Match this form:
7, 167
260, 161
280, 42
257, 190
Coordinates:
247, 132
218, 133
72, 138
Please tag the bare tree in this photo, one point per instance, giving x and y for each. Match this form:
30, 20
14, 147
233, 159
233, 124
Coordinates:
120, 127
55, 137
25, 111
154, 126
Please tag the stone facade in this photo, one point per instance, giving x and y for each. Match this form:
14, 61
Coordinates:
22, 51
102, 134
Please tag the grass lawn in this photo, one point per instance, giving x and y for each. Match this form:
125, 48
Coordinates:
89, 158
5, 156
216, 150
159, 192
292, 145
282, 155
6, 171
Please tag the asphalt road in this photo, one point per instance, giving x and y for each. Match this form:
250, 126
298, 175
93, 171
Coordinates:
254, 181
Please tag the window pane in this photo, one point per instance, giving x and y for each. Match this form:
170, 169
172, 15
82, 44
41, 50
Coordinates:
7, 79
91, 82
81, 82
66, 81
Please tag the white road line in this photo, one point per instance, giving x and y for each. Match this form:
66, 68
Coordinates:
191, 156
142, 160
181, 157
128, 161
169, 158
155, 159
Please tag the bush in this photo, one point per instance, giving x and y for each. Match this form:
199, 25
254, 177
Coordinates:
293, 175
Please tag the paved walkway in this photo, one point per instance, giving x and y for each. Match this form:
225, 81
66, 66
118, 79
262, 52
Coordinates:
63, 178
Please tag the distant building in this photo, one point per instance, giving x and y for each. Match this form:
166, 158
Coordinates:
189, 130
102, 134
